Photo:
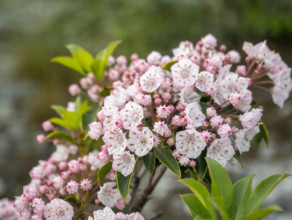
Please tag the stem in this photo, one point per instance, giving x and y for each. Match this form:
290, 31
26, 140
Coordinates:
147, 191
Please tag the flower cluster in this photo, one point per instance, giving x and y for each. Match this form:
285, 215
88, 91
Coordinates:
197, 103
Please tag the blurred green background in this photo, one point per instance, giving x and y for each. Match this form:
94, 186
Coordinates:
34, 31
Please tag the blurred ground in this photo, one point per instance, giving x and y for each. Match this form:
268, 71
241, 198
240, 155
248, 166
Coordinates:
32, 32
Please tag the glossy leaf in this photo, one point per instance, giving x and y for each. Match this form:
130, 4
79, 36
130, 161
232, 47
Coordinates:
149, 162
61, 135
124, 183
69, 62
98, 68
242, 189
105, 53
195, 206
219, 203
262, 190
70, 120
84, 59
202, 194
59, 109
168, 65
74, 48
221, 184
264, 132
103, 171
260, 214
164, 155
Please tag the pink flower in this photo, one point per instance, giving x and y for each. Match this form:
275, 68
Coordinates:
131, 115
163, 111
38, 206
160, 128
183, 160
234, 56
251, 119
221, 150
107, 195
140, 142
216, 121
194, 114
85, 184
47, 126
209, 41
190, 143
58, 209
154, 58
185, 72
115, 140
224, 131
72, 187
61, 153
151, 80
105, 214
135, 216
95, 129
41, 138
124, 162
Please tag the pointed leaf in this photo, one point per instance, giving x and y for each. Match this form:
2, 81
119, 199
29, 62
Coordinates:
219, 202
262, 190
195, 206
124, 183
105, 53
242, 190
165, 157
264, 132
98, 68
168, 65
202, 194
84, 59
221, 184
260, 214
59, 109
69, 62
61, 135
149, 162
73, 48
103, 171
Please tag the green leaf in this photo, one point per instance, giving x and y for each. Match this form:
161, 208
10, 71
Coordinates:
105, 53
221, 184
202, 167
165, 157
61, 135
168, 65
103, 171
73, 48
69, 62
98, 68
262, 190
260, 214
264, 132
124, 183
84, 59
59, 109
149, 162
202, 194
219, 202
89, 116
83, 108
195, 206
70, 120
241, 190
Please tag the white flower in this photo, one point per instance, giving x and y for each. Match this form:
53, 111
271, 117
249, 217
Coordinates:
209, 41
115, 140
107, 195
132, 115
185, 48
154, 58
163, 111
105, 214
190, 143
141, 142
135, 216
151, 80
205, 81
224, 131
251, 119
58, 209
221, 150
243, 138
95, 130
194, 114
61, 153
124, 162
94, 161
184, 73
188, 95
161, 128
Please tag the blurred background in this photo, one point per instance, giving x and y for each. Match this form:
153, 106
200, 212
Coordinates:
32, 32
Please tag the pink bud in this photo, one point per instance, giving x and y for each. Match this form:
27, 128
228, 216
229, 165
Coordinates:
247, 59
47, 126
171, 108
170, 142
74, 90
121, 204
122, 60
180, 107
62, 165
241, 70
41, 138
166, 96
119, 124
104, 148
192, 163
97, 202
223, 48
158, 101
100, 115
134, 57
113, 74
